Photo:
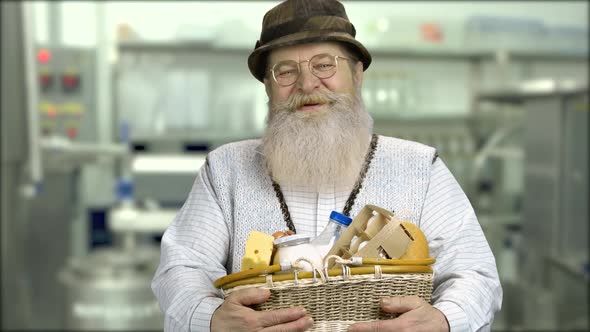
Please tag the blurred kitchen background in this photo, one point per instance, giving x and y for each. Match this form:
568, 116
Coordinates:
109, 108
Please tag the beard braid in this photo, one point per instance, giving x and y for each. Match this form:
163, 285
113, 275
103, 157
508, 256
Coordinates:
319, 149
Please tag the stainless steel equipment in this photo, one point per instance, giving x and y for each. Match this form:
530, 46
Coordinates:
41, 176
553, 273
450, 135
110, 290
175, 172
15, 173
67, 92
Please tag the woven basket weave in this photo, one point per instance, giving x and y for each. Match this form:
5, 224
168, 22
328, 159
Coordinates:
346, 296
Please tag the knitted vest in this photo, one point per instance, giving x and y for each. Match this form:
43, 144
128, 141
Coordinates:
397, 180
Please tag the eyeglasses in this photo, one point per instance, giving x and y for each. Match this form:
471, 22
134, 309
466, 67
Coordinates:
323, 66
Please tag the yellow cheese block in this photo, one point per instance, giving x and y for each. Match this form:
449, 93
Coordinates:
258, 251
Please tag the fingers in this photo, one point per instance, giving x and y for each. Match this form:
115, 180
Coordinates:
375, 326
302, 324
401, 304
290, 319
249, 296
280, 316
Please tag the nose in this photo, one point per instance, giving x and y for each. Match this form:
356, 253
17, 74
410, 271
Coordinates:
307, 81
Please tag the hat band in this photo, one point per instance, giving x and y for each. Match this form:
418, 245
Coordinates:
323, 23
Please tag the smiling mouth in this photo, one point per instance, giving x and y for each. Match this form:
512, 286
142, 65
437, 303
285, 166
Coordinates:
310, 107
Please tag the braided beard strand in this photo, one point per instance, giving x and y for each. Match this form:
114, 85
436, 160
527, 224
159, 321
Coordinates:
321, 149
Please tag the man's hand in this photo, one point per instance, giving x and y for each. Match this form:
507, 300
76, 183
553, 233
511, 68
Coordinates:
234, 315
415, 315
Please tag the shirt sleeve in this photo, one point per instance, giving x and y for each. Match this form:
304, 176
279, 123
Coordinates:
467, 289
194, 252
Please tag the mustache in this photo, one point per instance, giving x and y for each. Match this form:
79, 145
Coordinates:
299, 99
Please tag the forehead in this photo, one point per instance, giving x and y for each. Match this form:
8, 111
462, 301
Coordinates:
305, 51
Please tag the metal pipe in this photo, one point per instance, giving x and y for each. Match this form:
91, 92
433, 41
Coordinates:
54, 22
103, 76
32, 96
140, 220
489, 150
129, 241
74, 149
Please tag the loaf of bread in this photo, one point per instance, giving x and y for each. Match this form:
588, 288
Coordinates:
418, 249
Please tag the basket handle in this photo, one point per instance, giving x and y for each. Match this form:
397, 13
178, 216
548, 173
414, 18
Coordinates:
358, 261
227, 283
355, 261
297, 266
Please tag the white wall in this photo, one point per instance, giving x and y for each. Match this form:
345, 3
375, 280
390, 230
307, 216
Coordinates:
557, 12
161, 20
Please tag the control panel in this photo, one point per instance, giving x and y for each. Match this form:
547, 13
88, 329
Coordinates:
67, 92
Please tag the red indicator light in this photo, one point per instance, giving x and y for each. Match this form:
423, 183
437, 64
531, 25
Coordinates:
43, 56
45, 80
72, 132
51, 112
432, 32
70, 81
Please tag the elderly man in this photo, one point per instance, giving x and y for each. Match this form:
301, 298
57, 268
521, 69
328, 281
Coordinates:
319, 154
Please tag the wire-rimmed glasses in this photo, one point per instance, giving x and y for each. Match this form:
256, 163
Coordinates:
322, 66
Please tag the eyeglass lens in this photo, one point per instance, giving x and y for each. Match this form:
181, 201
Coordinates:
321, 65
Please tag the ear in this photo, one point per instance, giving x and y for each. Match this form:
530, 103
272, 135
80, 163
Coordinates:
358, 73
267, 86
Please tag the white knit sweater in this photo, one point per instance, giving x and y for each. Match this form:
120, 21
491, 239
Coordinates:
397, 180
233, 195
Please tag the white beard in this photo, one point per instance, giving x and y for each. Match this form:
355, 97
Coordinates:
317, 149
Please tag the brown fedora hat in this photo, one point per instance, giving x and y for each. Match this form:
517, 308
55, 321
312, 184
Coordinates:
304, 21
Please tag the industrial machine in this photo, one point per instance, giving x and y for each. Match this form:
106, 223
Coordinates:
66, 88
38, 201
51, 277
552, 272
17, 179
110, 290
105, 287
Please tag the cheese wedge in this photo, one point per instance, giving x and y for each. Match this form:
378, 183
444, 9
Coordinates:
258, 251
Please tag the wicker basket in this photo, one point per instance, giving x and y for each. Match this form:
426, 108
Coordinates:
339, 297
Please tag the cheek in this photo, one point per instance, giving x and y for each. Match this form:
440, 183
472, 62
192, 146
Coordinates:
281, 94
340, 83
341, 86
